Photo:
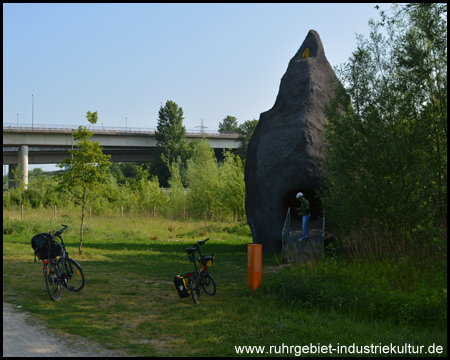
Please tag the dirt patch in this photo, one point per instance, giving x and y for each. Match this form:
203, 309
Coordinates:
24, 336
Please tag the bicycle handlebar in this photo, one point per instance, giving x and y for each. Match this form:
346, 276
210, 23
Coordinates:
201, 242
59, 232
195, 247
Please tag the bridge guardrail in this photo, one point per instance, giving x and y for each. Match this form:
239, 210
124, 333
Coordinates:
114, 129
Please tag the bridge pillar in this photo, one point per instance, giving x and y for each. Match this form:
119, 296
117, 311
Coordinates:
23, 162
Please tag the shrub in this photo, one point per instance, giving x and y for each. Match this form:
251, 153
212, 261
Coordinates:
11, 226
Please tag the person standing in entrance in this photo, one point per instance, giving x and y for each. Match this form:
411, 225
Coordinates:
305, 213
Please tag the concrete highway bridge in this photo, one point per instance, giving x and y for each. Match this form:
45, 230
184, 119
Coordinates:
49, 144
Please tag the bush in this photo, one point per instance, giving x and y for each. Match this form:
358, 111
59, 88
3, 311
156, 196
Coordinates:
241, 229
11, 226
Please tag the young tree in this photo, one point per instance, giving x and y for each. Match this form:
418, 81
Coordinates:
117, 173
177, 194
203, 178
232, 185
86, 168
421, 57
387, 125
229, 125
19, 184
150, 194
170, 140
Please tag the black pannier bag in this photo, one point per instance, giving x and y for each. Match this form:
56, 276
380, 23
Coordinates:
45, 247
181, 284
207, 260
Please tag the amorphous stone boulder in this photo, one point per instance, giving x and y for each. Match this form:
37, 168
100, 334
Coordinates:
285, 154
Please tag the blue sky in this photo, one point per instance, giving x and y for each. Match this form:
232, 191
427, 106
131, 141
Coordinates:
125, 60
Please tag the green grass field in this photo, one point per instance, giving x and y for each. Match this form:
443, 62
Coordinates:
129, 302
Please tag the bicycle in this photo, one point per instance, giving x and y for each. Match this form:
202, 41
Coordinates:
200, 279
59, 269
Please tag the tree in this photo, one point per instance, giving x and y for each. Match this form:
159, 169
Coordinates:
177, 194
17, 180
421, 55
386, 137
117, 173
170, 140
229, 125
150, 194
86, 168
232, 185
203, 178
245, 130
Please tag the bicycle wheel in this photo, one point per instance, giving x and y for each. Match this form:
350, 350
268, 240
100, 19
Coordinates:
51, 273
194, 286
73, 275
208, 284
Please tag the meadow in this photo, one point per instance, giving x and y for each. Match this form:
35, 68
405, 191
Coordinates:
129, 303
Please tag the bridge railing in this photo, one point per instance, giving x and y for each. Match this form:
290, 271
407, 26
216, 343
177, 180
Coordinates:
101, 128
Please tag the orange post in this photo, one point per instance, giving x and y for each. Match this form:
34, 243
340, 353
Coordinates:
254, 265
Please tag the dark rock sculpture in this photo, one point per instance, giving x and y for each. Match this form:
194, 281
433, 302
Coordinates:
285, 154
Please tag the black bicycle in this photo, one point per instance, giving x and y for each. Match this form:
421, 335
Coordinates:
200, 278
59, 269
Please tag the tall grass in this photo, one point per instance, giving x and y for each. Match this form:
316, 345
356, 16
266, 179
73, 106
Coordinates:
375, 275
119, 212
429, 244
406, 292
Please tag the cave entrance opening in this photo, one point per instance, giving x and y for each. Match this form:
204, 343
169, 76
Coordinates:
292, 249
290, 201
